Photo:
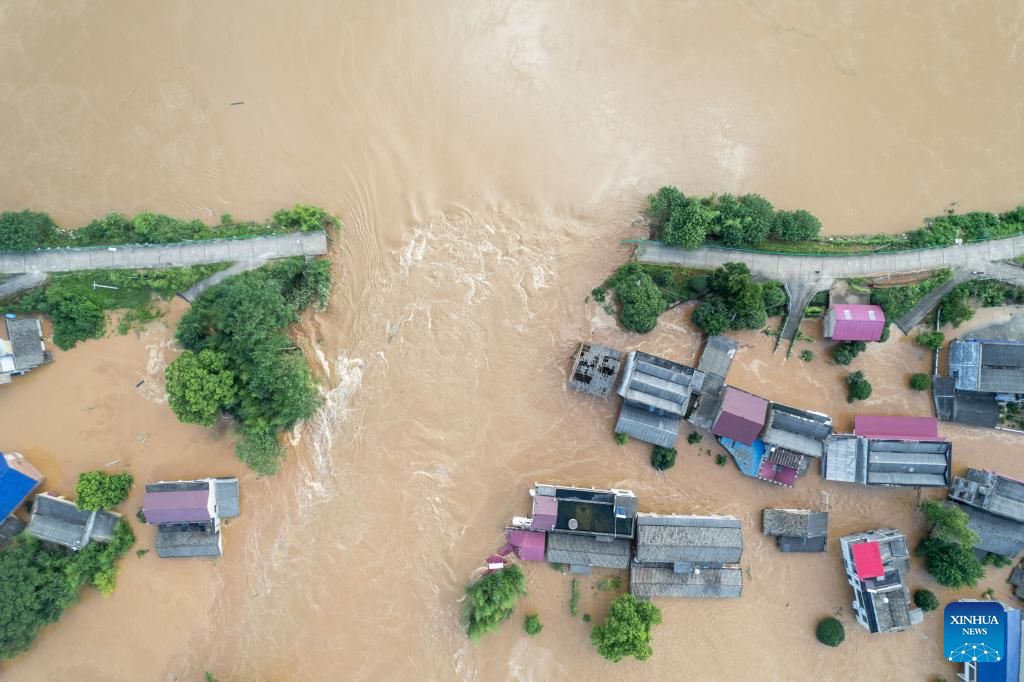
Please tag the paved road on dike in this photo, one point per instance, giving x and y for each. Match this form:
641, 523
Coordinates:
804, 275
252, 250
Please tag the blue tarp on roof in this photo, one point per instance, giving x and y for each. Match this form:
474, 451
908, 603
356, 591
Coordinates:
748, 457
14, 487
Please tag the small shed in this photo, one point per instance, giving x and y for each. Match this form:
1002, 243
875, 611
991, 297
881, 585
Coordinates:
797, 530
742, 416
854, 322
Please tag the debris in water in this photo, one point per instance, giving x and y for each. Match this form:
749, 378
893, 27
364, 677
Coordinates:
141, 381
235, 104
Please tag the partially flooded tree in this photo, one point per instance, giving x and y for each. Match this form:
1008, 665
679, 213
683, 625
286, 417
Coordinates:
626, 630
492, 599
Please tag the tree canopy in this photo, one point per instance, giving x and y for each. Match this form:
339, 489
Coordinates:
948, 522
97, 490
734, 301
953, 565
830, 632
845, 352
639, 297
199, 386
492, 599
663, 458
930, 340
857, 387
920, 381
926, 600
626, 630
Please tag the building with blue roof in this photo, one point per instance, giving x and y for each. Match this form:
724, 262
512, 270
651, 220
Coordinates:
1008, 668
18, 479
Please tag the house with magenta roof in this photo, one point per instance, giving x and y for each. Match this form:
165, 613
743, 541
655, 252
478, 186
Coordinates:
188, 515
897, 427
742, 416
854, 322
877, 563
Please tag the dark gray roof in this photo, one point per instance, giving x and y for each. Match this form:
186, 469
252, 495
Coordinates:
797, 430
709, 402
177, 486
584, 550
875, 461
648, 427
57, 520
964, 363
595, 369
995, 533
692, 539
717, 357
226, 490
657, 581
10, 527
26, 336
888, 607
797, 523
812, 545
943, 392
987, 365
187, 541
992, 492
658, 384
975, 410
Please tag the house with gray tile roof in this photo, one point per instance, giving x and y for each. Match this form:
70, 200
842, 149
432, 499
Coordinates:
877, 461
584, 552
10, 528
797, 530
801, 431
57, 520
188, 515
656, 396
983, 373
22, 349
994, 505
687, 556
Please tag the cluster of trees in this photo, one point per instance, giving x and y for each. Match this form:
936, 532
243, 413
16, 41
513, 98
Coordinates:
640, 299
948, 551
945, 230
239, 361
897, 301
959, 305
663, 458
77, 308
492, 599
930, 340
97, 490
626, 630
27, 230
735, 301
39, 580
857, 387
748, 219
844, 353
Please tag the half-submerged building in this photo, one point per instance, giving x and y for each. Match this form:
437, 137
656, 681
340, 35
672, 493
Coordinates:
58, 520
188, 515
687, 556
23, 348
900, 451
583, 528
876, 563
595, 369
655, 397
854, 322
994, 505
796, 530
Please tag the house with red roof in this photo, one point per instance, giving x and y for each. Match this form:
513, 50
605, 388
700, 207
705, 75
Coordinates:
897, 427
854, 322
742, 416
877, 563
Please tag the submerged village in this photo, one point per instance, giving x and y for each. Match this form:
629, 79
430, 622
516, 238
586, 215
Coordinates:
583, 527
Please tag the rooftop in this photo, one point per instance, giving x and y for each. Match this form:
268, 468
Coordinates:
795, 523
177, 506
656, 396
742, 416
59, 521
26, 339
584, 510
18, 479
529, 545
658, 581
595, 369
991, 492
855, 459
987, 365
188, 541
717, 357
854, 322
583, 550
9, 528
896, 427
688, 539
798, 430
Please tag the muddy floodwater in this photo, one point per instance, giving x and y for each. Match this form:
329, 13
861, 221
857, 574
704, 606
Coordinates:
486, 159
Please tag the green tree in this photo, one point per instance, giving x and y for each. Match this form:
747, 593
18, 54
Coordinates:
27, 230
74, 318
662, 203
258, 448
304, 218
845, 352
953, 565
931, 340
688, 226
774, 297
663, 458
948, 522
694, 438
830, 632
96, 490
626, 630
857, 387
640, 299
795, 226
199, 386
712, 316
492, 599
926, 600
532, 624
920, 382
956, 306
806, 355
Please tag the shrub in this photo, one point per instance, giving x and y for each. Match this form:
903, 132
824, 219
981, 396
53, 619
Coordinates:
626, 630
586, 617
697, 284
721, 460
598, 294
304, 218
694, 438
532, 624
930, 340
926, 600
997, 560
806, 355
96, 490
857, 387
663, 458
621, 438
609, 584
492, 600
574, 600
920, 382
885, 333
844, 353
830, 632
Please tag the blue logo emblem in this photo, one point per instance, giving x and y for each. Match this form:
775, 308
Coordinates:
974, 631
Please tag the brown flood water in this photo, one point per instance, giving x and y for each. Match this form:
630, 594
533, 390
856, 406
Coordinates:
486, 161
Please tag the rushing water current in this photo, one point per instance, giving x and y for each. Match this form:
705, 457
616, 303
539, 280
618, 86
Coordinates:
486, 158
